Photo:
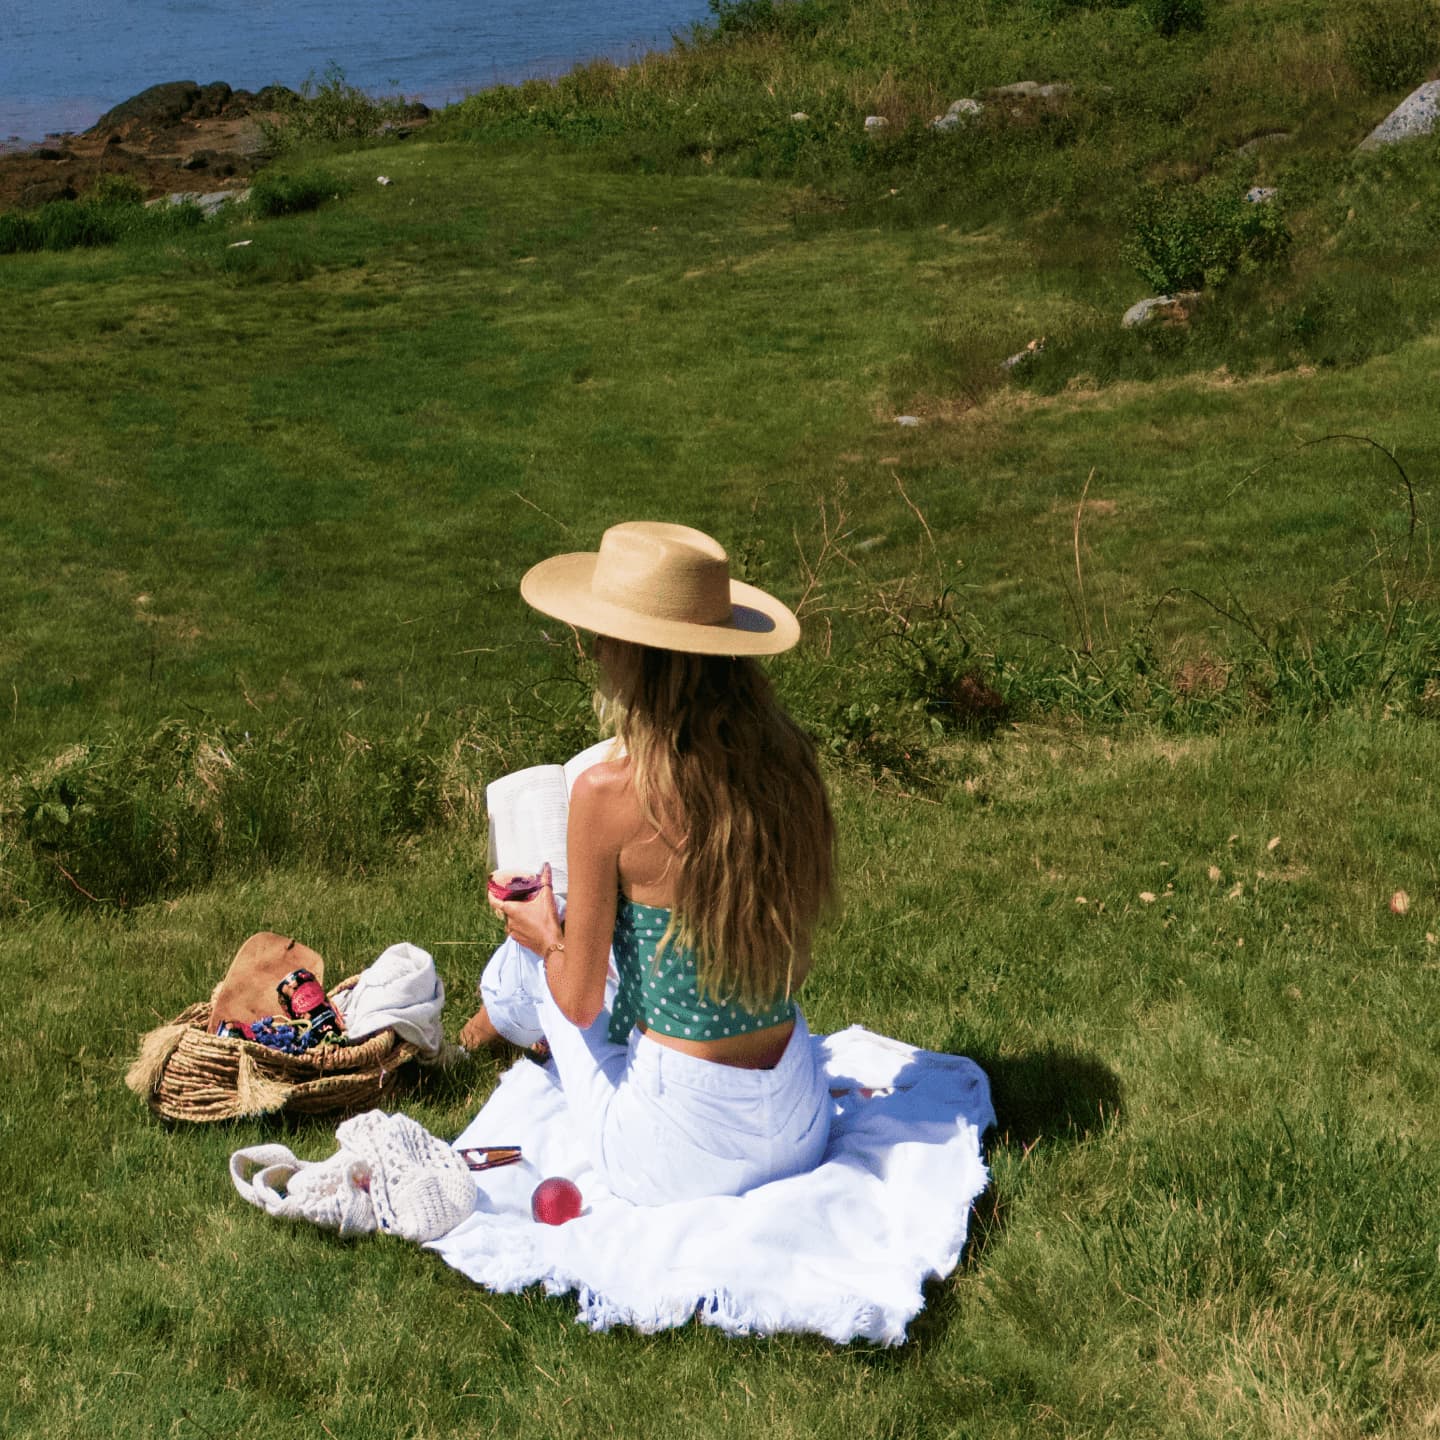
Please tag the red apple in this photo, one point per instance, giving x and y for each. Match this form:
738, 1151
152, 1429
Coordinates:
555, 1201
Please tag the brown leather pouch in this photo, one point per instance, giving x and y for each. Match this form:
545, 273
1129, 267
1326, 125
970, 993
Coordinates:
248, 990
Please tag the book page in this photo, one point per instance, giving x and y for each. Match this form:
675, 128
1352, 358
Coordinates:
528, 811
576, 765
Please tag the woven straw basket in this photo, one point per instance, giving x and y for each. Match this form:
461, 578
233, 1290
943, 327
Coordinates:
185, 1073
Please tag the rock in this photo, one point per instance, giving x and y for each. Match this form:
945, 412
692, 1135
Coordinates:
1261, 194
159, 106
419, 110
959, 111
799, 115
241, 102
1172, 309
1034, 90
875, 122
47, 152
1413, 116
1028, 353
199, 160
275, 97
909, 421
211, 101
1272, 137
209, 201
42, 192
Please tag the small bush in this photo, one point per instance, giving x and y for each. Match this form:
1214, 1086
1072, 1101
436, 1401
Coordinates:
330, 111
1188, 238
74, 224
115, 192
1391, 44
1171, 17
286, 194
743, 18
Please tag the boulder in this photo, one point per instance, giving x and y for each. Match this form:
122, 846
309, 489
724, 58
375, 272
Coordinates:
1413, 116
41, 192
1261, 194
159, 106
1034, 90
1257, 142
209, 201
211, 101
957, 114
1171, 309
1028, 353
275, 97
241, 102
876, 122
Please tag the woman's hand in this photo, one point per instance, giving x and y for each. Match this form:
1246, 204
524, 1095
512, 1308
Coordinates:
535, 922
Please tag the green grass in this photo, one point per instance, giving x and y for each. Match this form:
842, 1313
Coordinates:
1214, 1192
266, 510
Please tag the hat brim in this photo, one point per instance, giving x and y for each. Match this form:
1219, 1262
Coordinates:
759, 624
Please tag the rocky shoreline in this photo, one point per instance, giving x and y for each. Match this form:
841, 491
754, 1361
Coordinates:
175, 136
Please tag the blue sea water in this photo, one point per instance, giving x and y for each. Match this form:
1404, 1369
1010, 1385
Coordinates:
64, 62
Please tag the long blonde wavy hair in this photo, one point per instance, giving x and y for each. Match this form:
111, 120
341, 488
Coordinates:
729, 777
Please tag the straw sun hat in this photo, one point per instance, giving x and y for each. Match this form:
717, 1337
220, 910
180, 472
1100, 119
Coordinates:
667, 586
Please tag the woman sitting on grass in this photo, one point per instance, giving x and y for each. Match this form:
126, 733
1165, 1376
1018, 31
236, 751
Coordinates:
703, 857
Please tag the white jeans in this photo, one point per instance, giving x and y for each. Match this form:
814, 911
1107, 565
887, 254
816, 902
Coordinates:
658, 1124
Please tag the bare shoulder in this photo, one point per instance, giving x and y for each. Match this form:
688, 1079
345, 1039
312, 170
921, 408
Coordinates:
604, 795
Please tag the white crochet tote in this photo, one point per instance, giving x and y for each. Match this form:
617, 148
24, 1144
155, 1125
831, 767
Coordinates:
389, 1174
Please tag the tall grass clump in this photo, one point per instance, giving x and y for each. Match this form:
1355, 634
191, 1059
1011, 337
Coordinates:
1175, 17
329, 111
1391, 44
281, 192
113, 211
134, 814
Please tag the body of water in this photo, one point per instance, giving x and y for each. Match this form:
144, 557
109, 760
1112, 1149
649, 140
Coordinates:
63, 63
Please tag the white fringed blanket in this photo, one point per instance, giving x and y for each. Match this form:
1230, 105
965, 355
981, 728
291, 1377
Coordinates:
842, 1251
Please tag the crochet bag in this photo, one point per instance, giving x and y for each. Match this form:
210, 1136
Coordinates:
389, 1174
185, 1073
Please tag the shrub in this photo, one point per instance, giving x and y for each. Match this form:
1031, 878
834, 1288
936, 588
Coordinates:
1170, 17
330, 111
286, 194
115, 192
72, 224
1186, 238
743, 18
1391, 44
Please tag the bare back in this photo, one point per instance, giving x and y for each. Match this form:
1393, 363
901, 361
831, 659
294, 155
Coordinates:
645, 863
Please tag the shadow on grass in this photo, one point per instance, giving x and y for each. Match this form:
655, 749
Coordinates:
1053, 1095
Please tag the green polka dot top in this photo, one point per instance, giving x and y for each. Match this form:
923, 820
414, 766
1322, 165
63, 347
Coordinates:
668, 998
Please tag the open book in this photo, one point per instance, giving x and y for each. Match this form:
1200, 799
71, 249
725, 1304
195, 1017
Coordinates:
528, 813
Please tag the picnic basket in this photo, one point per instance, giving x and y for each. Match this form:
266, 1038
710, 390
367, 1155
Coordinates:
185, 1073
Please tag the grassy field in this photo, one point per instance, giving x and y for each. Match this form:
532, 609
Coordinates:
1125, 664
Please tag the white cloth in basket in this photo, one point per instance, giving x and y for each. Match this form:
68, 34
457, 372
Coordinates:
400, 991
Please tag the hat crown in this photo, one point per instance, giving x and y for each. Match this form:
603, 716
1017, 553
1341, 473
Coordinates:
670, 572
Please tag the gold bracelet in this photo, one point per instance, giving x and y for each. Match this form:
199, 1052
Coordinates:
551, 949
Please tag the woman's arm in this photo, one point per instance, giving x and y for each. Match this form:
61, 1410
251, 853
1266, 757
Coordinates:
576, 974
